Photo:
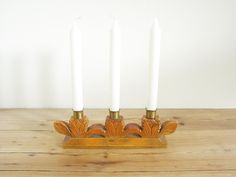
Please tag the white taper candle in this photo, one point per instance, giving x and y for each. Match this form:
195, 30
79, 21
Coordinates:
154, 66
76, 58
115, 67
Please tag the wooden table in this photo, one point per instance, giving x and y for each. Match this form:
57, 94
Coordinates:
203, 145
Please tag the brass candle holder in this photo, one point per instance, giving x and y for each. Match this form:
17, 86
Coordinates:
115, 133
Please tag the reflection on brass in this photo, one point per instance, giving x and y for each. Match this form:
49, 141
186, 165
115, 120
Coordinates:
150, 114
78, 114
114, 114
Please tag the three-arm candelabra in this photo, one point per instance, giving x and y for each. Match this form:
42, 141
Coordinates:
115, 133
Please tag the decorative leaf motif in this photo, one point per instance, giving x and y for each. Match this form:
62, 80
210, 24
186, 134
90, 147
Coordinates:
62, 127
114, 127
110, 131
156, 127
78, 127
74, 125
119, 128
150, 127
146, 128
168, 127
83, 126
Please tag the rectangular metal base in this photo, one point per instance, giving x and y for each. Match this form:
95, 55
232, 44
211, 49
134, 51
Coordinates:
89, 143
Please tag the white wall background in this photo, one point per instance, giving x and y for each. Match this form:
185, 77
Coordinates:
198, 54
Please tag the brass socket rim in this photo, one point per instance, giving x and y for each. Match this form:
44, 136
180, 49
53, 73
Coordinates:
78, 114
150, 114
114, 114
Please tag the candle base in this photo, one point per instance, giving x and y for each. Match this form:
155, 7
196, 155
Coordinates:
78, 114
114, 114
151, 114
115, 133
113, 143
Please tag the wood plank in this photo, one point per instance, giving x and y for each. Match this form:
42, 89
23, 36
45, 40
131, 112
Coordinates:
203, 145
217, 173
211, 152
94, 161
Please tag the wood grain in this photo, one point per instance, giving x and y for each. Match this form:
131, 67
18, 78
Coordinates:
204, 145
114, 142
114, 133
